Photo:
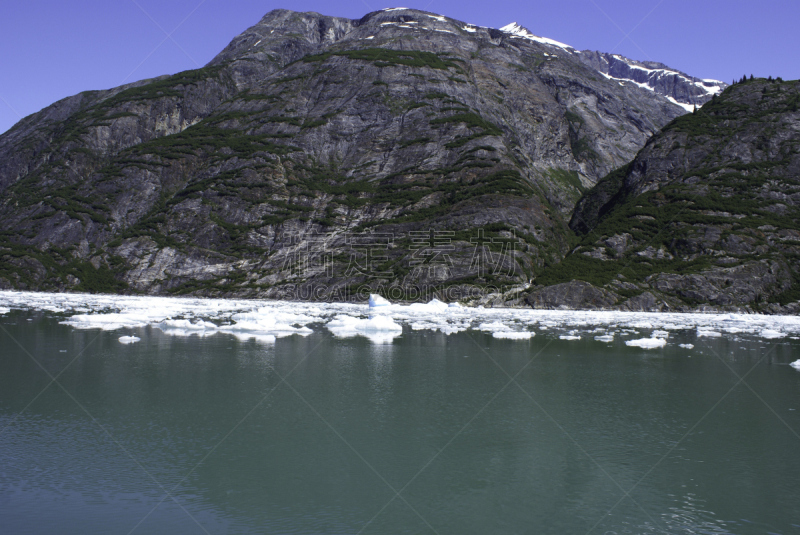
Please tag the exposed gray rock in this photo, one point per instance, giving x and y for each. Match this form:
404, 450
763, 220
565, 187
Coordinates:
401, 150
572, 295
711, 204
745, 284
645, 302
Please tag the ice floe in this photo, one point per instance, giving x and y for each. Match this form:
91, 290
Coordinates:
514, 335
381, 320
647, 343
709, 333
493, 326
769, 333
686, 346
795, 364
379, 329
128, 339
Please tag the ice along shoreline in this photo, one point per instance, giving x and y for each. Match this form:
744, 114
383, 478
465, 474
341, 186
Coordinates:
381, 321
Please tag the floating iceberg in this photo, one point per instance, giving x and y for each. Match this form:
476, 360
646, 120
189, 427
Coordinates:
493, 326
647, 343
795, 364
770, 333
571, 335
376, 300
257, 318
379, 329
432, 307
709, 333
686, 346
514, 335
128, 339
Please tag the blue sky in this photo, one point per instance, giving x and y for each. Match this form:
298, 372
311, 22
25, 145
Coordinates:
52, 49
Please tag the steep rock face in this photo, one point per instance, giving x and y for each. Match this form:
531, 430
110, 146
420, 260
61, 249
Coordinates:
707, 214
317, 155
572, 295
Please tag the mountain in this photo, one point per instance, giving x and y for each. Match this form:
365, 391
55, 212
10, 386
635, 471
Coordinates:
676, 86
321, 158
706, 216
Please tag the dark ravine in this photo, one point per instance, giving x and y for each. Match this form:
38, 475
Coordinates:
320, 158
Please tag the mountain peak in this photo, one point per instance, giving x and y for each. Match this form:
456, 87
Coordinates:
520, 31
308, 130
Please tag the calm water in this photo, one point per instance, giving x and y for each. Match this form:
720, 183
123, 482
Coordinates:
319, 435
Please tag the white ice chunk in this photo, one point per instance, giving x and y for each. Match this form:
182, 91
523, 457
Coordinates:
708, 333
379, 329
109, 322
493, 326
569, 337
795, 364
434, 306
514, 335
189, 316
660, 334
605, 338
186, 328
769, 333
686, 346
128, 339
265, 322
376, 300
4, 310
647, 343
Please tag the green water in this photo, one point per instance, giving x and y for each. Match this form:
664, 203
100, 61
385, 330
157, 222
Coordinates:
430, 434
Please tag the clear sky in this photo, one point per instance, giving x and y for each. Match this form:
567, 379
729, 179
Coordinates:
50, 49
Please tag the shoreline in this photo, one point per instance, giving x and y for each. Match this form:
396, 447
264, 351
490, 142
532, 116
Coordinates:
268, 320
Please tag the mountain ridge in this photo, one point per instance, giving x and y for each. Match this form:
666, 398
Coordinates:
706, 215
258, 174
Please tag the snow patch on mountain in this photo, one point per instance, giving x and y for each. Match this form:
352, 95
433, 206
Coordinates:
519, 31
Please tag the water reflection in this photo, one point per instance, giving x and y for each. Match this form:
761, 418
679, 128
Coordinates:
311, 433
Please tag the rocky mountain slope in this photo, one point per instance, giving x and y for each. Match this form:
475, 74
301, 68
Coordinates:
319, 157
676, 86
707, 215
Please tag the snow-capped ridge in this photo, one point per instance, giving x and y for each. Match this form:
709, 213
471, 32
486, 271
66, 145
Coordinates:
520, 31
675, 86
